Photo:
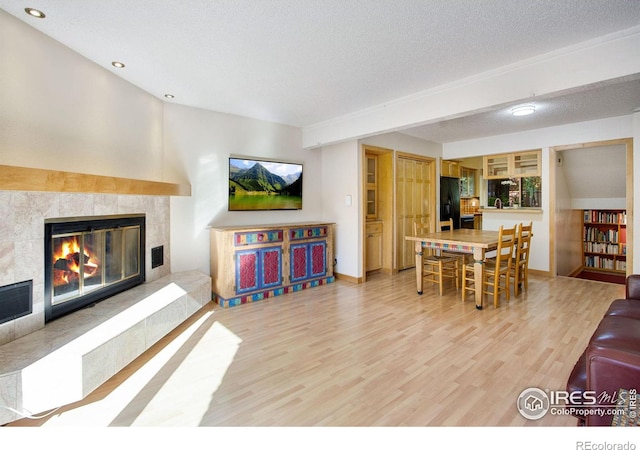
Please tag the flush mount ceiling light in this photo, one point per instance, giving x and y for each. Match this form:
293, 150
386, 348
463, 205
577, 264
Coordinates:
169, 95
35, 13
523, 110
117, 64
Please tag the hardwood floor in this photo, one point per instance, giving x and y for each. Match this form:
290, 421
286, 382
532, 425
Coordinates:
375, 354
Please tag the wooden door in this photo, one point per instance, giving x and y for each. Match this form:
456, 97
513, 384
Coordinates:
414, 203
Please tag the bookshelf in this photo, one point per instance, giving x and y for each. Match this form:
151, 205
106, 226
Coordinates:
604, 236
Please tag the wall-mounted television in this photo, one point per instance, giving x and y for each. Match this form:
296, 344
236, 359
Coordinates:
259, 184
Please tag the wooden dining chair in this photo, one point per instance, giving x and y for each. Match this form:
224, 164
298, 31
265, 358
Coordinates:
496, 270
463, 258
520, 264
437, 268
468, 280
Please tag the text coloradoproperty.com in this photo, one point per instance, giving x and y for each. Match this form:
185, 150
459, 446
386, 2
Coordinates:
572, 411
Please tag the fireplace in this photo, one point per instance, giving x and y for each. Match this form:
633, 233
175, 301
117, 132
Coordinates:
89, 259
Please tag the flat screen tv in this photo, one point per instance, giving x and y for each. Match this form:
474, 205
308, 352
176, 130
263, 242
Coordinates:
259, 185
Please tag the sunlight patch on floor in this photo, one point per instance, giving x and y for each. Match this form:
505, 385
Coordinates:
213, 357
155, 390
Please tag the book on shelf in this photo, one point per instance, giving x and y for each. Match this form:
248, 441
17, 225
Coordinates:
597, 235
600, 262
605, 239
601, 247
608, 216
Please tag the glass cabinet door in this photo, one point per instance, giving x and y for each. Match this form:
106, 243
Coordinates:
496, 166
467, 182
526, 164
372, 186
371, 170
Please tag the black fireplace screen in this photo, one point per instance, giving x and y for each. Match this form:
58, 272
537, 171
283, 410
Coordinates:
87, 260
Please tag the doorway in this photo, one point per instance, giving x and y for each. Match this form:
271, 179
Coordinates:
591, 179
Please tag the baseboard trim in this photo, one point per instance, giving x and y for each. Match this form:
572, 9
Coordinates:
349, 278
540, 273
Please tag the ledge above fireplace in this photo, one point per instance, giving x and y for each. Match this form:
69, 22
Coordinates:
13, 178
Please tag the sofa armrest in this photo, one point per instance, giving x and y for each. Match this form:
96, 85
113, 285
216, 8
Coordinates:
608, 371
633, 287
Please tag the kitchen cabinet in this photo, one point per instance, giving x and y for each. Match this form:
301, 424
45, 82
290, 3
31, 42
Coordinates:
513, 165
372, 185
449, 168
467, 182
527, 164
496, 166
374, 245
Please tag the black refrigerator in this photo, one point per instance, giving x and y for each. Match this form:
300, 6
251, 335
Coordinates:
450, 200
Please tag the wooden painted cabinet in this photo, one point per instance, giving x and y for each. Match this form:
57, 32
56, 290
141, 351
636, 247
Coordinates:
258, 268
308, 260
255, 262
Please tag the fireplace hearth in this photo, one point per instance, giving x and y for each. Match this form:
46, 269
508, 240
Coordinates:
89, 259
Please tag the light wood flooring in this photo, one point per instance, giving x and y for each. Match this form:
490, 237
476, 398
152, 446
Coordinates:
374, 354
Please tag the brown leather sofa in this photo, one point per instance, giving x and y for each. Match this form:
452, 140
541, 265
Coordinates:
610, 362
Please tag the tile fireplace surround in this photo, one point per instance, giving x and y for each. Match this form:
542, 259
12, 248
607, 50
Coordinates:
22, 216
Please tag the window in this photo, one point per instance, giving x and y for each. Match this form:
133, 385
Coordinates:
519, 192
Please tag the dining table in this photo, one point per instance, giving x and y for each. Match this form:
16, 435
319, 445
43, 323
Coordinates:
463, 240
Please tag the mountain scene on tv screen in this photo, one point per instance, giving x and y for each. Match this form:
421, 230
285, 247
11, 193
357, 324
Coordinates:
260, 185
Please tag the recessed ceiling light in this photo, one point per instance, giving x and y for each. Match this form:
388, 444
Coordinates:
169, 95
35, 13
117, 64
523, 110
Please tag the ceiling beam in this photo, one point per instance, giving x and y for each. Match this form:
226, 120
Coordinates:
599, 60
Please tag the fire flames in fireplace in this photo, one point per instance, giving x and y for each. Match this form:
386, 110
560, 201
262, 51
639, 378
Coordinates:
90, 259
69, 259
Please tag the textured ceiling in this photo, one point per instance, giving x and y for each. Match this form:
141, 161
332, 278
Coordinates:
616, 98
301, 62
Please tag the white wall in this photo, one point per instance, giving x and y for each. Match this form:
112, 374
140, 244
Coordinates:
60, 111
568, 244
198, 144
341, 169
592, 131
